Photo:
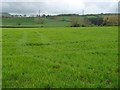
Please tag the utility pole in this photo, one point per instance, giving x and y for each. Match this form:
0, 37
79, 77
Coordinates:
116, 10
83, 12
39, 13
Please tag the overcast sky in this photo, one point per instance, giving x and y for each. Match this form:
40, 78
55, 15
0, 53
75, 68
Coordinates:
59, 6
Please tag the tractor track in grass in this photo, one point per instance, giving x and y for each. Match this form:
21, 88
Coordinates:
27, 51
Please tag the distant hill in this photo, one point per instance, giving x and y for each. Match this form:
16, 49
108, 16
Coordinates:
62, 20
5, 14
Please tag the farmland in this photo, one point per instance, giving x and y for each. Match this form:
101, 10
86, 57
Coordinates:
57, 57
35, 21
61, 21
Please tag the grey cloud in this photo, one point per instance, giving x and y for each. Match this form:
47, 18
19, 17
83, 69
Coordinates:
101, 7
21, 8
58, 7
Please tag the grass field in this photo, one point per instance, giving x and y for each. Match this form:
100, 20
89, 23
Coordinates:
48, 22
60, 57
54, 21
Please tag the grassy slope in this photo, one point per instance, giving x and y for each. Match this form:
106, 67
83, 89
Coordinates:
15, 21
32, 21
49, 21
60, 57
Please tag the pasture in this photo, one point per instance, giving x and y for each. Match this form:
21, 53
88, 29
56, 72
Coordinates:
85, 57
60, 21
36, 21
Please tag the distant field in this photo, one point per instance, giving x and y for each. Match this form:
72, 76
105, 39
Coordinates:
31, 21
54, 21
60, 57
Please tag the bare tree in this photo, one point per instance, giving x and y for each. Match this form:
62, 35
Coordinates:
75, 21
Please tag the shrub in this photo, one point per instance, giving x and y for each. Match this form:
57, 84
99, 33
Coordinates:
96, 20
19, 24
83, 25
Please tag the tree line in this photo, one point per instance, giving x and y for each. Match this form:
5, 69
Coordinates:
98, 20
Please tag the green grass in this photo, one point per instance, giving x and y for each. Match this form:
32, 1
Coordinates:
60, 57
53, 21
14, 21
17, 20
